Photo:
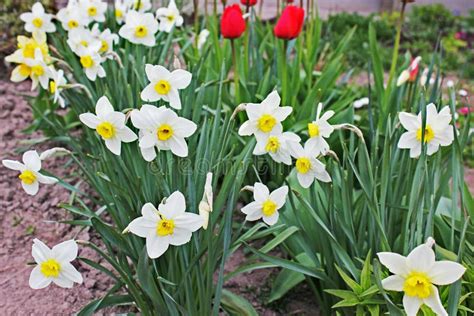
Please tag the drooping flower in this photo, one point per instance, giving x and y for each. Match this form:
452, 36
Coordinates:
91, 60
161, 128
38, 20
72, 17
29, 172
140, 5
417, 275
266, 204
410, 73
290, 23
139, 28
319, 130
202, 38
54, 265
361, 102
307, 166
109, 124
93, 9
232, 22
170, 224
265, 117
206, 204
56, 85
277, 145
165, 85
169, 17
438, 130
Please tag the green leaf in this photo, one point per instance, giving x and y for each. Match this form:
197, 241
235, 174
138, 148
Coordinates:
236, 305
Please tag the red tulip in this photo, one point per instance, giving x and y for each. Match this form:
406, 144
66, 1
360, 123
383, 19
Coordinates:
249, 2
414, 68
232, 22
290, 23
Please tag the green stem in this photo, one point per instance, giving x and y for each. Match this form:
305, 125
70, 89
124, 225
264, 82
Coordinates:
284, 75
236, 72
396, 46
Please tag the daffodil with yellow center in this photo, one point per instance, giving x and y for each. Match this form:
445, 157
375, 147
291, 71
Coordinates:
266, 123
265, 205
307, 166
141, 31
170, 224
25, 70
106, 130
169, 17
54, 265
50, 268
37, 70
52, 86
163, 87
72, 24
27, 177
303, 165
273, 144
165, 227
313, 130
417, 284
29, 172
104, 47
37, 22
269, 208
265, 117
438, 130
118, 14
87, 61
109, 124
429, 134
92, 11
164, 132
417, 276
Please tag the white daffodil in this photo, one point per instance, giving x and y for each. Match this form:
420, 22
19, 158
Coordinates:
265, 117
206, 204
307, 166
139, 5
319, 130
27, 47
165, 85
72, 17
120, 10
169, 225
417, 274
80, 37
202, 38
54, 265
139, 28
109, 124
91, 61
29, 172
38, 19
40, 72
161, 128
410, 73
277, 145
107, 40
93, 9
438, 130
56, 85
360, 103
266, 204
169, 17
